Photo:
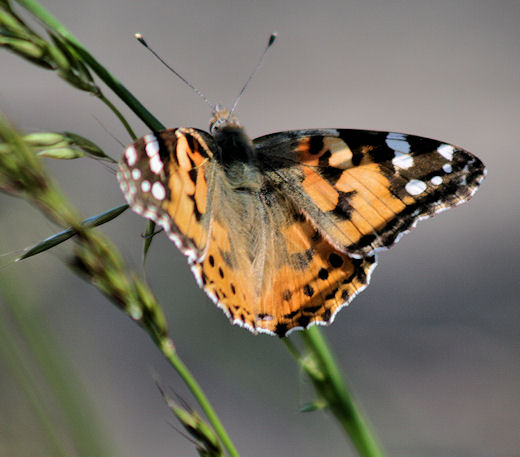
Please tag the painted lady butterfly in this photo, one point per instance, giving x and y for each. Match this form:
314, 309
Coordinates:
281, 231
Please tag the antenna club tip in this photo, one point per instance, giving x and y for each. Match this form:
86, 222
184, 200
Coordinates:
272, 38
140, 38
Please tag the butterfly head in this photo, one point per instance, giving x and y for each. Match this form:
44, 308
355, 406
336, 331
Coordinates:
222, 118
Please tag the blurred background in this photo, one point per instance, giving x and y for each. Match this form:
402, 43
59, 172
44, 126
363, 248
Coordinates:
431, 349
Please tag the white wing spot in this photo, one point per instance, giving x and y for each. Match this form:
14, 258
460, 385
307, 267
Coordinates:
156, 164
145, 186
149, 137
415, 187
398, 142
158, 191
436, 180
150, 213
124, 186
446, 151
402, 160
447, 168
131, 155
152, 148
136, 174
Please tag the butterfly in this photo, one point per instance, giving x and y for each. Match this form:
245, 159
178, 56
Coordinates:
282, 231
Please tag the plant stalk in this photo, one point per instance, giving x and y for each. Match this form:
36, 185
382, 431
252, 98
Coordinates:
330, 385
169, 352
121, 91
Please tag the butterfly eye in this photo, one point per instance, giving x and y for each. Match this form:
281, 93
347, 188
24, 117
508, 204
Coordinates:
217, 125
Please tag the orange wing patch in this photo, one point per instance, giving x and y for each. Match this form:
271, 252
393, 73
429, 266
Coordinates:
225, 282
311, 283
370, 202
360, 203
324, 196
188, 190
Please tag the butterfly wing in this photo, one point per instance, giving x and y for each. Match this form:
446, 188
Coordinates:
363, 189
166, 177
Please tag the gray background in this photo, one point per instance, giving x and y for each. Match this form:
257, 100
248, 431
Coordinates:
431, 348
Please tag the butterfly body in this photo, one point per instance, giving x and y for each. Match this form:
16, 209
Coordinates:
281, 231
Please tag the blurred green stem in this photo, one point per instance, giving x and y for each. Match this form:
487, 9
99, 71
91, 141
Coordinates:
169, 351
13, 358
122, 92
323, 371
83, 428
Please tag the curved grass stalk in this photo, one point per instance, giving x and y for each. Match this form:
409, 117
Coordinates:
321, 368
121, 91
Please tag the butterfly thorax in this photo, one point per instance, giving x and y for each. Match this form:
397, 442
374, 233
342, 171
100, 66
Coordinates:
237, 154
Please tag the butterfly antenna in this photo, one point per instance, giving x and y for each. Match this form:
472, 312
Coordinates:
272, 39
141, 40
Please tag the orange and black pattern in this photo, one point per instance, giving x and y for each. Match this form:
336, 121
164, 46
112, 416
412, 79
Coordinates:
365, 188
281, 231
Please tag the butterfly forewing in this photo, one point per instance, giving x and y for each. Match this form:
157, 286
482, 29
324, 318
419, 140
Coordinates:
164, 177
363, 189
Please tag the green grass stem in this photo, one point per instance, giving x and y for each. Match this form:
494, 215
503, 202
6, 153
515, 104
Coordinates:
330, 385
121, 91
